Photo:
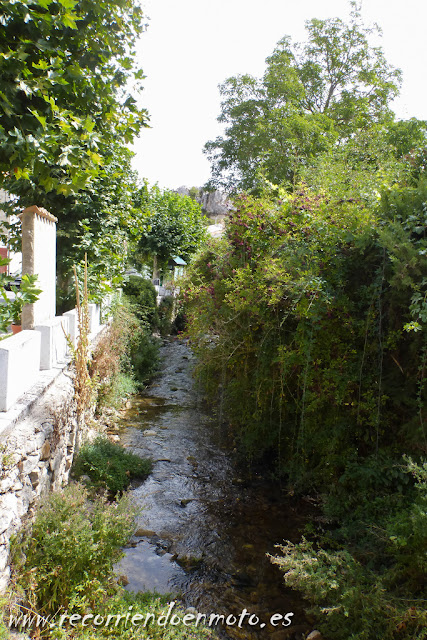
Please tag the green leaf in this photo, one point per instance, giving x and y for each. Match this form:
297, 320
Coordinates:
40, 118
68, 4
69, 20
89, 124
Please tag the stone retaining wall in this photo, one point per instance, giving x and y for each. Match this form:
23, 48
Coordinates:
36, 456
39, 437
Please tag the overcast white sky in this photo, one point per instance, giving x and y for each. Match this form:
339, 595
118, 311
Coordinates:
193, 45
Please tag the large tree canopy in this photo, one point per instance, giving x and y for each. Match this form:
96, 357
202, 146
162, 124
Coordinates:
67, 116
172, 225
311, 95
65, 68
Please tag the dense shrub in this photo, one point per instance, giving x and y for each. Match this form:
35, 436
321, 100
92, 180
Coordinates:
109, 465
179, 324
144, 357
125, 357
166, 308
309, 315
142, 295
377, 588
71, 548
309, 319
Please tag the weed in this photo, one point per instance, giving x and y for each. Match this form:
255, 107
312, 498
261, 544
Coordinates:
69, 551
6, 459
109, 465
125, 353
83, 392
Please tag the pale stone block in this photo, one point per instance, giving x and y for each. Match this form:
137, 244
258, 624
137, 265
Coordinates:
8, 510
19, 366
73, 325
53, 341
30, 446
43, 482
28, 465
94, 317
4, 580
4, 556
9, 480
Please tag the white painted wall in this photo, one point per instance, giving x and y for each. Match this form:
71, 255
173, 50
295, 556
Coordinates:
19, 366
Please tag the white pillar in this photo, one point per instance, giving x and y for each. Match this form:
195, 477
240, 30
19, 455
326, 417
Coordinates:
39, 257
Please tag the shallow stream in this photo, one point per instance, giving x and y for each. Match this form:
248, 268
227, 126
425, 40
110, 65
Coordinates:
206, 524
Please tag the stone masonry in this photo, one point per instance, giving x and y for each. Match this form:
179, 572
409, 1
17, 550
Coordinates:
36, 453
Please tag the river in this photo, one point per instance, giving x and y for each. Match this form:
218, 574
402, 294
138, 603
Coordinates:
206, 523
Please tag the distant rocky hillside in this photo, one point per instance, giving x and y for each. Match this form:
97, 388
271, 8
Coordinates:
215, 204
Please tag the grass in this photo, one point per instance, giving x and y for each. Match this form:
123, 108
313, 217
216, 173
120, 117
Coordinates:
109, 465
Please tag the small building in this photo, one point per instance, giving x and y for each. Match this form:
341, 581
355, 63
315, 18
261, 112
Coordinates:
177, 266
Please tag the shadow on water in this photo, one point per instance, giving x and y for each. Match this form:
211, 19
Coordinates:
205, 528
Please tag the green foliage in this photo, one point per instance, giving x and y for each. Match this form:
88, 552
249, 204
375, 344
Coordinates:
166, 308
309, 322
101, 220
26, 293
120, 387
143, 604
109, 465
64, 564
179, 324
300, 313
142, 295
313, 96
65, 69
194, 193
67, 117
144, 357
172, 226
71, 548
141, 354
4, 630
369, 593
125, 357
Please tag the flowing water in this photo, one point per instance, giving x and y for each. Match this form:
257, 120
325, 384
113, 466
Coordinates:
206, 524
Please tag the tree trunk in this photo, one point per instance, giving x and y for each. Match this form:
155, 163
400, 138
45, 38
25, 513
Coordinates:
155, 269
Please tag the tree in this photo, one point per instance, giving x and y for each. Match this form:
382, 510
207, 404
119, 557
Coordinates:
65, 68
312, 95
172, 226
66, 118
102, 221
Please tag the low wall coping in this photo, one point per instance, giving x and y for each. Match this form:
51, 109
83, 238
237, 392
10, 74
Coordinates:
22, 407
40, 211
